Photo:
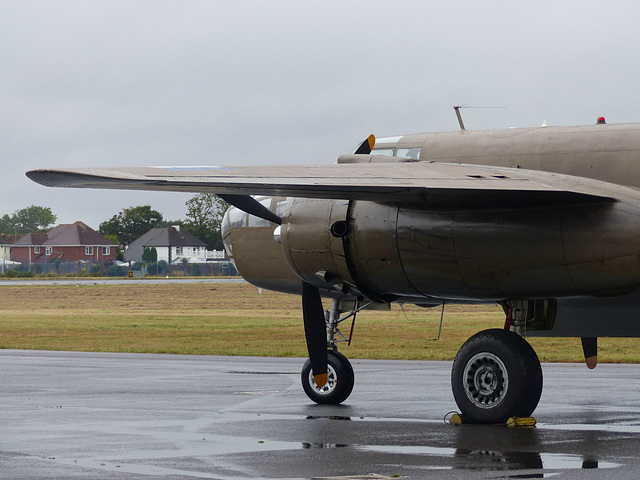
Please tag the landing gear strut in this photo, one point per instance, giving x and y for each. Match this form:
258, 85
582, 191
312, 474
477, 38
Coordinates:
496, 375
341, 376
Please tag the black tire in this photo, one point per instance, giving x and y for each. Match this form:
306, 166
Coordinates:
339, 385
496, 375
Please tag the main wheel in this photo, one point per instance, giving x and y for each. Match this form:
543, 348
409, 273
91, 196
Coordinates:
338, 386
496, 375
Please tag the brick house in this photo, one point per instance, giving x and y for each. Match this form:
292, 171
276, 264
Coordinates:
67, 242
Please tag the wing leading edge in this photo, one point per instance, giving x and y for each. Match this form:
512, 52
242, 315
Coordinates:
426, 183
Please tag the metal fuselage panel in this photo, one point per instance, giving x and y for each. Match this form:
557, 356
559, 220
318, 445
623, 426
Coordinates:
609, 153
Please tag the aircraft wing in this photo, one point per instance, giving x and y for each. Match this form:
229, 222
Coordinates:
430, 183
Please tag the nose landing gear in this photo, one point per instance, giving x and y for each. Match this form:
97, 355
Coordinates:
338, 386
340, 372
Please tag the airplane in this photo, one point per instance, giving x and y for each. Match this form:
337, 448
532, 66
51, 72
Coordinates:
543, 221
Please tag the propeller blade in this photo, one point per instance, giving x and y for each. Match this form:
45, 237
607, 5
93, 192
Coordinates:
366, 146
590, 349
315, 332
248, 204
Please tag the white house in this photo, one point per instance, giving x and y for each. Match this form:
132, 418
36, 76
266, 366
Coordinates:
170, 243
5, 250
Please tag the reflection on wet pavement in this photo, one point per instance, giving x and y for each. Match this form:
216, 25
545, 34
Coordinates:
327, 417
493, 460
539, 464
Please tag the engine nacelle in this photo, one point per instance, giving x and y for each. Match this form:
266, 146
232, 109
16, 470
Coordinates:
493, 254
250, 244
388, 252
312, 239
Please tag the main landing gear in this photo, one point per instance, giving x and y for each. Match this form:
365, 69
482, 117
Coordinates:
496, 375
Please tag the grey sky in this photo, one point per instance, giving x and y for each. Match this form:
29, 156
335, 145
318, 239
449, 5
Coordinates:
254, 82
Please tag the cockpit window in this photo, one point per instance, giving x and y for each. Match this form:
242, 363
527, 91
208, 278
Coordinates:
236, 217
387, 152
282, 207
413, 152
260, 222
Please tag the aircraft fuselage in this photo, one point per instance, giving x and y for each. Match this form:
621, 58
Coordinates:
609, 153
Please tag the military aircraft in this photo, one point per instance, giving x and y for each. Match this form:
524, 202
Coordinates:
544, 221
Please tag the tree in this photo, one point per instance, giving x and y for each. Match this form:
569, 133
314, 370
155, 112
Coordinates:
114, 239
204, 216
150, 254
132, 223
6, 224
26, 220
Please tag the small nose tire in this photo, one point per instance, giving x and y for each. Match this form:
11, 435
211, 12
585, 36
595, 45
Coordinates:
339, 385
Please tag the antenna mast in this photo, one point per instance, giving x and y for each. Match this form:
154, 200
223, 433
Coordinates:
457, 109
460, 122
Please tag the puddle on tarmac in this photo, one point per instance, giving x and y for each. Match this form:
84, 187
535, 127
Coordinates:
493, 460
308, 446
456, 458
326, 417
610, 427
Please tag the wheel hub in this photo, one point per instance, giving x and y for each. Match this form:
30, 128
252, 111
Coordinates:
332, 381
485, 380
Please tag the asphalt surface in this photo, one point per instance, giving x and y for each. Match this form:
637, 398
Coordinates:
121, 416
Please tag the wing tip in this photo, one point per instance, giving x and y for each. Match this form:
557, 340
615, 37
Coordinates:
54, 178
37, 176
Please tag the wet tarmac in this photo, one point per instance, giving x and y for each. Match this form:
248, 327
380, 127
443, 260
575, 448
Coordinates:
121, 416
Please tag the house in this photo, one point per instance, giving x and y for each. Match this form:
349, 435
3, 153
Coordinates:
5, 250
71, 242
171, 243
6, 242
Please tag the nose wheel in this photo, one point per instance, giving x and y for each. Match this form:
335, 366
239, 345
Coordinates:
496, 375
338, 386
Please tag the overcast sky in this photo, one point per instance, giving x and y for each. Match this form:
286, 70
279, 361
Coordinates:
90, 83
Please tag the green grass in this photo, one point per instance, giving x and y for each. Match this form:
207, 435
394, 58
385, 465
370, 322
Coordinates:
235, 319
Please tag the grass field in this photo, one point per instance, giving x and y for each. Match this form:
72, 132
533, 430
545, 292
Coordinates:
235, 319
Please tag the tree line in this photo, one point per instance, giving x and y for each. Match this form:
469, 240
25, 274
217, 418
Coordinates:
204, 216
27, 220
